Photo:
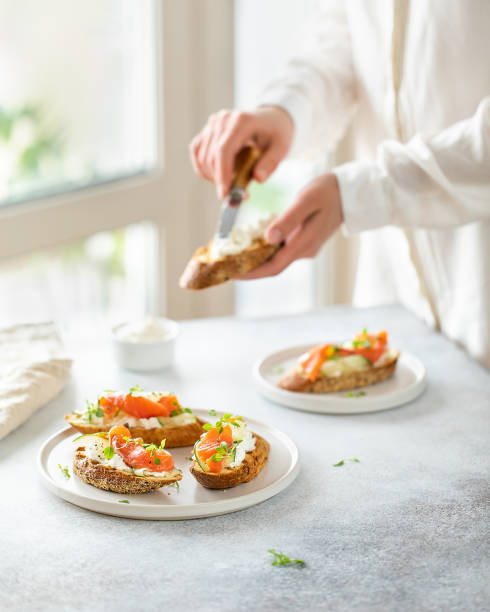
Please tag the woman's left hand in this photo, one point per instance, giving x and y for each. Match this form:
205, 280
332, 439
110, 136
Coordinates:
304, 226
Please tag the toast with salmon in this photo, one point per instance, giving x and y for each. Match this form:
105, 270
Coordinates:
327, 368
228, 454
226, 258
151, 416
113, 461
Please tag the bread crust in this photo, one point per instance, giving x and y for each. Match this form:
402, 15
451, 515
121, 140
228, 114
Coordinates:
231, 477
296, 380
107, 478
175, 437
202, 272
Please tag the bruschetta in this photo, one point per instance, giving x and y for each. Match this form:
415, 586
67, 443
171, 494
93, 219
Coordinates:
114, 461
151, 416
228, 454
363, 361
226, 258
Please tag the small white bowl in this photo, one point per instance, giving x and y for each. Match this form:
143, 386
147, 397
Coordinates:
146, 355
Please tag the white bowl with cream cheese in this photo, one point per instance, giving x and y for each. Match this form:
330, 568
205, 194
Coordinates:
145, 345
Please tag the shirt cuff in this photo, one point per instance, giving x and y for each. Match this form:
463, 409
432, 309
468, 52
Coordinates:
364, 202
297, 108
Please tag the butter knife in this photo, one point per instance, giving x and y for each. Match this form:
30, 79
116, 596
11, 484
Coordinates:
244, 164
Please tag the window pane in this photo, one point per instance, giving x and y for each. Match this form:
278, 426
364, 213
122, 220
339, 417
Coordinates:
85, 285
261, 47
76, 94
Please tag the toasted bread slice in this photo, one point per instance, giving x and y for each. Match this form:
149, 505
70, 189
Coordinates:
182, 435
296, 380
110, 479
250, 467
202, 271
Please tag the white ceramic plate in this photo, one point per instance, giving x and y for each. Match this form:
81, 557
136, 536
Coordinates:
191, 500
406, 384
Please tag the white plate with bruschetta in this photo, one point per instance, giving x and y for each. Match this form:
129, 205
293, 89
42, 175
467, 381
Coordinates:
189, 491
351, 377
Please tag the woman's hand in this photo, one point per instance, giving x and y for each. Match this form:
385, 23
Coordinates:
213, 150
304, 226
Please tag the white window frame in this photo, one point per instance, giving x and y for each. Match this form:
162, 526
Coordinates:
194, 77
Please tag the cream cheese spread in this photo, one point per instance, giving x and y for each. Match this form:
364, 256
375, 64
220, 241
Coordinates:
239, 239
147, 330
246, 445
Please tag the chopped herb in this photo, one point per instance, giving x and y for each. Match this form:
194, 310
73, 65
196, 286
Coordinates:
212, 412
64, 471
156, 461
188, 410
342, 461
175, 403
364, 331
226, 416
207, 426
151, 447
189, 459
358, 394
174, 413
100, 434
135, 389
282, 559
162, 424
124, 501
175, 484
108, 452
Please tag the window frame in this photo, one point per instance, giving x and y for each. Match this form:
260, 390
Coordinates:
193, 77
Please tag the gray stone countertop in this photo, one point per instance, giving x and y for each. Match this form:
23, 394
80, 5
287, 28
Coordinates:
404, 529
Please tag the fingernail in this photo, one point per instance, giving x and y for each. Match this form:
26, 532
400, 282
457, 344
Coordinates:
274, 236
261, 174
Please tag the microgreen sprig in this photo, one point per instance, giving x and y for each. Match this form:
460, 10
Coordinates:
358, 394
342, 461
64, 471
281, 559
135, 390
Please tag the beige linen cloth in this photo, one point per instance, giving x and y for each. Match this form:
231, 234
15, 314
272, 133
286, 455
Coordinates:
34, 367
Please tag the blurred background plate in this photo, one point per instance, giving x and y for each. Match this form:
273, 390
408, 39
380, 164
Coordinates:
407, 383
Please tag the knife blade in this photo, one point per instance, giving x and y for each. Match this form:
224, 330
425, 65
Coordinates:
244, 164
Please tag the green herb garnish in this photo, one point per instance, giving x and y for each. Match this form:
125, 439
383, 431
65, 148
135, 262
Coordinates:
156, 461
207, 426
99, 434
358, 394
108, 452
64, 471
342, 461
176, 485
123, 501
213, 412
188, 410
174, 413
282, 559
278, 369
135, 389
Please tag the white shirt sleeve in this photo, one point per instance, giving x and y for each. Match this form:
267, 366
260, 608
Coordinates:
435, 182
317, 86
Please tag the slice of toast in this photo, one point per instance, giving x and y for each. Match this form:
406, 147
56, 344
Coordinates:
182, 435
202, 271
297, 380
110, 479
250, 467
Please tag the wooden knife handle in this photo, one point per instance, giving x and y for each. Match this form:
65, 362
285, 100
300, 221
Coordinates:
245, 161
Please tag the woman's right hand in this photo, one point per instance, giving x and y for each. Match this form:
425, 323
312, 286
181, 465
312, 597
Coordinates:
213, 150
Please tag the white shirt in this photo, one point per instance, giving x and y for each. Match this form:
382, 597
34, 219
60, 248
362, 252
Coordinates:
413, 79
